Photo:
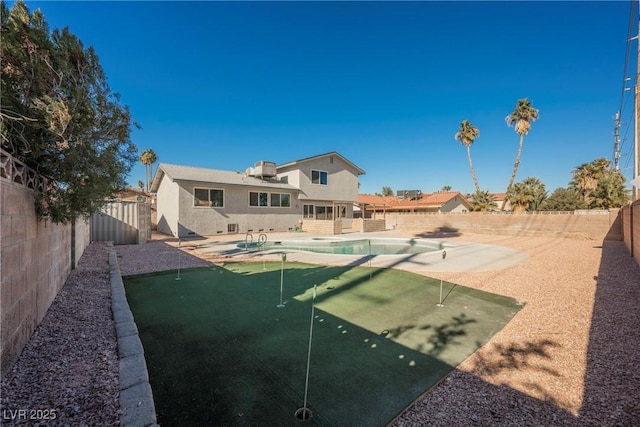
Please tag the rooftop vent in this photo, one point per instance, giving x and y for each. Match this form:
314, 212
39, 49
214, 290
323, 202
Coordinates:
263, 169
408, 194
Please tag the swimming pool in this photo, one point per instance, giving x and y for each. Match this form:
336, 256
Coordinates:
349, 247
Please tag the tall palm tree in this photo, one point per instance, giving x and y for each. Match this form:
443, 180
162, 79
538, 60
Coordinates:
522, 116
466, 135
148, 158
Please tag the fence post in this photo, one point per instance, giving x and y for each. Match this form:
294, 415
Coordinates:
631, 229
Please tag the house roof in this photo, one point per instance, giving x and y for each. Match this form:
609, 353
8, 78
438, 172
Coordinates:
374, 199
214, 176
432, 200
332, 153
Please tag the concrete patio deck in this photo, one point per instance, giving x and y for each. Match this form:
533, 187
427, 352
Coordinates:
461, 256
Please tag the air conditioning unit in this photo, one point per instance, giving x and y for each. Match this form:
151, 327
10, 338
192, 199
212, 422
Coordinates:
265, 169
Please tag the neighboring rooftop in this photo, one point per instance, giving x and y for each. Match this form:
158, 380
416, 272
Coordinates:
431, 200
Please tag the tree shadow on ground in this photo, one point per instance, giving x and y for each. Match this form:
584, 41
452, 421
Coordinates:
434, 339
611, 394
439, 233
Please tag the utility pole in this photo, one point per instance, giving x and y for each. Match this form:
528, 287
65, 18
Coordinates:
616, 142
636, 115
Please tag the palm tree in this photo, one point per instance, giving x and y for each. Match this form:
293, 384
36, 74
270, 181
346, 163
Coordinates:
148, 158
527, 195
520, 197
522, 116
466, 135
586, 177
482, 201
600, 186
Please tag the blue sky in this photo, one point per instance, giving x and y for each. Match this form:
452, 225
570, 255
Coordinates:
386, 84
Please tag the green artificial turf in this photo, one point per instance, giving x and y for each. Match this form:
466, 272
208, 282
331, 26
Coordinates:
219, 351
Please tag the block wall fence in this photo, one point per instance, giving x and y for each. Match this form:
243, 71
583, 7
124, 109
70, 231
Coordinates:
595, 225
36, 257
631, 229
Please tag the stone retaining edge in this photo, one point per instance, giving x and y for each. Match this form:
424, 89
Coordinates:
136, 398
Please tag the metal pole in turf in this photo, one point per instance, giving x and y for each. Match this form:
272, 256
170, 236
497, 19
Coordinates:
369, 259
305, 413
444, 255
179, 259
284, 258
262, 240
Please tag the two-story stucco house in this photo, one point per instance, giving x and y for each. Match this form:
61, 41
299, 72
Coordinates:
316, 193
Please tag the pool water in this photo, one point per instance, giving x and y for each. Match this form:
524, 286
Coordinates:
350, 247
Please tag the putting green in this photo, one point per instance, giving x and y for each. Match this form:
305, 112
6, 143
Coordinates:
219, 351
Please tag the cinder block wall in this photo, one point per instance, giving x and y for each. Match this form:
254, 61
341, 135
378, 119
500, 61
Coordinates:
596, 225
369, 225
35, 261
631, 229
322, 226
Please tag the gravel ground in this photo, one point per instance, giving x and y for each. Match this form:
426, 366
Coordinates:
68, 370
569, 357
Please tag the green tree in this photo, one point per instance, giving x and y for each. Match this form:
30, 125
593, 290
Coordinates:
60, 117
148, 158
564, 199
466, 135
521, 118
140, 185
387, 191
520, 197
611, 191
599, 186
445, 188
482, 201
586, 177
527, 195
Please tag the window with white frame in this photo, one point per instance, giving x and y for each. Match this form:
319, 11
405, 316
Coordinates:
208, 197
319, 177
276, 200
324, 212
308, 212
280, 200
258, 198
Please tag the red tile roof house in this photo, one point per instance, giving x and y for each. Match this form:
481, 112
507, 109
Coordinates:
315, 193
452, 202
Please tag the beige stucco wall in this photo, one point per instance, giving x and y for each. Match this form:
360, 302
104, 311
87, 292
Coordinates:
212, 220
167, 206
35, 261
342, 182
454, 205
